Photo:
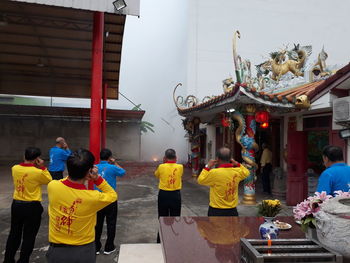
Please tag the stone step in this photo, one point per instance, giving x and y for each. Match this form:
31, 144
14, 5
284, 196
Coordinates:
136, 253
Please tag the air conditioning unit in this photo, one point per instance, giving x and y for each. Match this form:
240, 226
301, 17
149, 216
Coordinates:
341, 110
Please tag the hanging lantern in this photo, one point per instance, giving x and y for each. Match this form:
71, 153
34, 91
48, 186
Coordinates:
225, 121
264, 125
262, 116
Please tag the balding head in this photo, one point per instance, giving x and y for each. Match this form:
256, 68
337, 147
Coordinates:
224, 155
60, 140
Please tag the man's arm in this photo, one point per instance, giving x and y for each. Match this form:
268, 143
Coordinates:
206, 177
107, 196
324, 183
263, 158
157, 173
117, 169
243, 172
45, 177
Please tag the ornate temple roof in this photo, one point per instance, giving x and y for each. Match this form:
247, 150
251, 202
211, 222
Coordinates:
284, 99
312, 90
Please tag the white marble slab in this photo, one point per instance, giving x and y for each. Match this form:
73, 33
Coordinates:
136, 253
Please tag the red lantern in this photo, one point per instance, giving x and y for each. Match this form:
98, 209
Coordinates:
262, 116
225, 121
264, 125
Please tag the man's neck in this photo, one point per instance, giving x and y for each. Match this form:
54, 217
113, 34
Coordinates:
29, 162
335, 163
80, 181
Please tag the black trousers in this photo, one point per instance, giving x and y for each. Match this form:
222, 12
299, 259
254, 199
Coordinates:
71, 254
57, 175
222, 212
25, 221
169, 204
267, 169
110, 213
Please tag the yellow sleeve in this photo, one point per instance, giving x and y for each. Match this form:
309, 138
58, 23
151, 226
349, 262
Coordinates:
206, 178
107, 196
45, 177
243, 172
157, 173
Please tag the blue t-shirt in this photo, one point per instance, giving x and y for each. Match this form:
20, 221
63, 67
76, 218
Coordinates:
334, 178
109, 172
58, 158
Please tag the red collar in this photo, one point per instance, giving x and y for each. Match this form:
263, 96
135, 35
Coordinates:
27, 164
170, 162
74, 185
228, 165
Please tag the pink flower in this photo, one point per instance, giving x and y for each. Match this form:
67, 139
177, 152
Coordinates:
341, 194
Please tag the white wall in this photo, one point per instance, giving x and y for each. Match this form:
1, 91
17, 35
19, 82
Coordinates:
265, 26
154, 59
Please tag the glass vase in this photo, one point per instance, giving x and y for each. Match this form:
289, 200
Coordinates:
268, 230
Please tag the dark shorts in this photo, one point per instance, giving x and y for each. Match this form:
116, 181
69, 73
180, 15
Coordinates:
59, 253
222, 212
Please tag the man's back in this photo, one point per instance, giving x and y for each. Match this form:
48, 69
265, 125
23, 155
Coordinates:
170, 176
109, 172
335, 178
72, 211
223, 182
27, 180
58, 157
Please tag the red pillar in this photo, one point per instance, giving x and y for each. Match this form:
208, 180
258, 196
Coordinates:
104, 116
96, 85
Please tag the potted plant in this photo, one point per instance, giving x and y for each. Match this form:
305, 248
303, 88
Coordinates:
269, 209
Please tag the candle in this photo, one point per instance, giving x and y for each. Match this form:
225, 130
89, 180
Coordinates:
269, 244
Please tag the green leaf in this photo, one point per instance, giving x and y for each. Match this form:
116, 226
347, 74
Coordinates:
304, 227
148, 123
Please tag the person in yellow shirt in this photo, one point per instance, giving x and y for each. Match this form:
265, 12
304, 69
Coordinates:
26, 208
170, 183
223, 182
266, 168
73, 208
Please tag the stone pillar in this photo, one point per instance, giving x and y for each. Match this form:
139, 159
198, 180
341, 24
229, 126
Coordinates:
195, 147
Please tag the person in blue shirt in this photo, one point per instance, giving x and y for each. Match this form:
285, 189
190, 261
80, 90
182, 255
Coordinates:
58, 157
109, 169
337, 174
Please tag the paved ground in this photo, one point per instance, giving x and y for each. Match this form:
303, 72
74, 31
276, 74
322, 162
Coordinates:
137, 215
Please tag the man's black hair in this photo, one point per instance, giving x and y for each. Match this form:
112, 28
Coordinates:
105, 154
31, 153
170, 154
333, 153
79, 163
224, 154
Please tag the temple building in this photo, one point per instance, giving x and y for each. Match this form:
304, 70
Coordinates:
295, 106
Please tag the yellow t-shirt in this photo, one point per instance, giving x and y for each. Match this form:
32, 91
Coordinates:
170, 176
27, 180
72, 210
266, 157
223, 182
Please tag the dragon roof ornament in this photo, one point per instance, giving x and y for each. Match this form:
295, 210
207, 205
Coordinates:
284, 80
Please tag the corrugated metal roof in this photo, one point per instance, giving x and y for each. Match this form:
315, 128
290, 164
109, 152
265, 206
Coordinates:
132, 8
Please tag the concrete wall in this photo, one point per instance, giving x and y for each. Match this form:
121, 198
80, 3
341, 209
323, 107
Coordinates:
18, 133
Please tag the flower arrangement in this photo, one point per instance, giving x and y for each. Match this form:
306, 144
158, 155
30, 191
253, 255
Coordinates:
306, 210
269, 208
